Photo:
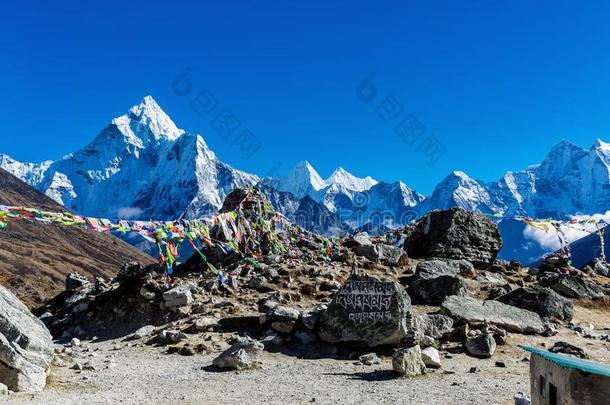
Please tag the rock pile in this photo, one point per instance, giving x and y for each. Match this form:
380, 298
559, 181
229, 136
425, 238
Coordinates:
279, 287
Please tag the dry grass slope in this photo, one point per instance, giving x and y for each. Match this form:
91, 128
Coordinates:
35, 257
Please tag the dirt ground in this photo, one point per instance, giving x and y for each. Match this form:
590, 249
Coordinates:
130, 373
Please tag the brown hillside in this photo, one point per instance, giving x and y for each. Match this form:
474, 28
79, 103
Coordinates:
36, 257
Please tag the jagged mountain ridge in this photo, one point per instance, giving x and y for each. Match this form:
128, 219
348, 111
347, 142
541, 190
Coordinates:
142, 157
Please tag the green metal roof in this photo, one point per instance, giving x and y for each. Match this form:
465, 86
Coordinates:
571, 362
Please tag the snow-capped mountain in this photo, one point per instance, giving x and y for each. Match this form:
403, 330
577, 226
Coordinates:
31, 173
302, 180
143, 166
140, 166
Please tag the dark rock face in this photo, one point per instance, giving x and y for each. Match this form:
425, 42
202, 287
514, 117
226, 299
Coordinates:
543, 301
454, 234
368, 310
573, 287
436, 280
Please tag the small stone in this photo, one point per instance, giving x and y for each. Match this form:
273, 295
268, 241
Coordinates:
75, 342
77, 366
205, 323
473, 370
370, 359
244, 354
178, 297
431, 357
144, 331
3, 389
481, 346
500, 364
408, 361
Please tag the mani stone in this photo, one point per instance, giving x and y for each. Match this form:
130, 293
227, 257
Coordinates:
476, 312
408, 361
370, 311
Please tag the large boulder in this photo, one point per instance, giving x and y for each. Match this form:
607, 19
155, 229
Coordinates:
543, 301
368, 310
435, 280
573, 287
454, 234
476, 312
26, 346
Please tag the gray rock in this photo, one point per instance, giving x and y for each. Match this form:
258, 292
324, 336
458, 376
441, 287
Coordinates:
358, 239
280, 313
482, 346
454, 234
436, 326
496, 313
408, 362
3, 389
76, 281
244, 354
431, 357
178, 297
488, 280
144, 331
166, 337
573, 287
601, 267
26, 346
435, 280
369, 359
445, 267
205, 323
391, 256
368, 251
544, 301
368, 310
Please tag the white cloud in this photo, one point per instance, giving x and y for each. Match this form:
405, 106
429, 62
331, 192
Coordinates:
129, 212
549, 240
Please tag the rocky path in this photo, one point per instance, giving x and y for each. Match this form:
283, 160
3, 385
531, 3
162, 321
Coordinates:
139, 374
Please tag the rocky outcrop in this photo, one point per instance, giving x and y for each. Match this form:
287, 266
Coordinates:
26, 348
543, 301
454, 234
370, 311
476, 312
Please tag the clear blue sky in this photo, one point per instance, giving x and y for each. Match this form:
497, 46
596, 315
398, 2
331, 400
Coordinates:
497, 84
